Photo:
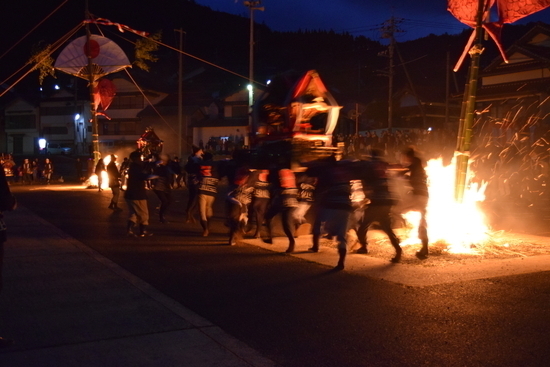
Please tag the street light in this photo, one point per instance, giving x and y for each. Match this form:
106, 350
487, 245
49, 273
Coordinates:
252, 5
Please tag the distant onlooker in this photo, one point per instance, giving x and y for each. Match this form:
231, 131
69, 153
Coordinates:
47, 170
7, 202
26, 172
35, 170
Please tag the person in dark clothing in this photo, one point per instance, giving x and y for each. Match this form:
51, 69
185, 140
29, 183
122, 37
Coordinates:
192, 167
78, 169
418, 200
124, 172
136, 196
7, 203
161, 185
35, 170
375, 183
284, 201
176, 181
26, 171
114, 182
208, 188
98, 170
260, 198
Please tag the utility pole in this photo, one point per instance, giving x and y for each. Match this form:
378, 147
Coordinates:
388, 31
252, 5
92, 83
182, 135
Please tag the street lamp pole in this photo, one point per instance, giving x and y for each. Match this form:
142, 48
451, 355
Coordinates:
252, 5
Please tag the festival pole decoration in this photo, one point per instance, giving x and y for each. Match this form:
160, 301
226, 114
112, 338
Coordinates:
91, 57
473, 13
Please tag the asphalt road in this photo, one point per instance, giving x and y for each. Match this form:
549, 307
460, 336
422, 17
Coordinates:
300, 313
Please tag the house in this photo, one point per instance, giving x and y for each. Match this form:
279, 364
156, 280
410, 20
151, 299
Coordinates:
22, 127
62, 117
424, 107
226, 119
515, 96
65, 119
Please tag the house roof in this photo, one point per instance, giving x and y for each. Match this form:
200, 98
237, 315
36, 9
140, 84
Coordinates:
517, 89
537, 55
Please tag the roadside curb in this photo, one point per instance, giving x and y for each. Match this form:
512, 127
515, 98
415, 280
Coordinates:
407, 274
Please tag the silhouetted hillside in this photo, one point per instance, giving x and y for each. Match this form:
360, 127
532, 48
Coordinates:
353, 67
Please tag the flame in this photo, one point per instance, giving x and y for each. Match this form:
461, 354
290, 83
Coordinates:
93, 181
459, 225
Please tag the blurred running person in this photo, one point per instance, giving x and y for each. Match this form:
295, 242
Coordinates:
334, 203
375, 183
161, 185
192, 168
260, 198
284, 201
237, 203
207, 190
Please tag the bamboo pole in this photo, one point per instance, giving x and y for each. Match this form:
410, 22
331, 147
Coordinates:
464, 136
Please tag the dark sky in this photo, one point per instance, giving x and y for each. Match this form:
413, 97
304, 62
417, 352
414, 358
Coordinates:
359, 17
419, 17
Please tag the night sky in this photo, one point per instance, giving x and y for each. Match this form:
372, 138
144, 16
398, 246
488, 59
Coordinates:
359, 17
419, 18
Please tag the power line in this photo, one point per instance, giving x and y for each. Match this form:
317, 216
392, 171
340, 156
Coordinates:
32, 30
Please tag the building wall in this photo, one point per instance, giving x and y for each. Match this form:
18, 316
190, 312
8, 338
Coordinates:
21, 139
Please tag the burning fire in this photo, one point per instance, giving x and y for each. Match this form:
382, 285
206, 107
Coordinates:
459, 225
93, 179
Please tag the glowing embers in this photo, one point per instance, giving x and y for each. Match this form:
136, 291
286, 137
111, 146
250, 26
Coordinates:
462, 226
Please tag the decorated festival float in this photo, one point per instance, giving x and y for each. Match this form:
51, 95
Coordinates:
294, 119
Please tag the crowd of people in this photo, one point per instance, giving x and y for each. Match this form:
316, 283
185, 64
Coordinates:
29, 172
333, 195
344, 194
223, 145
